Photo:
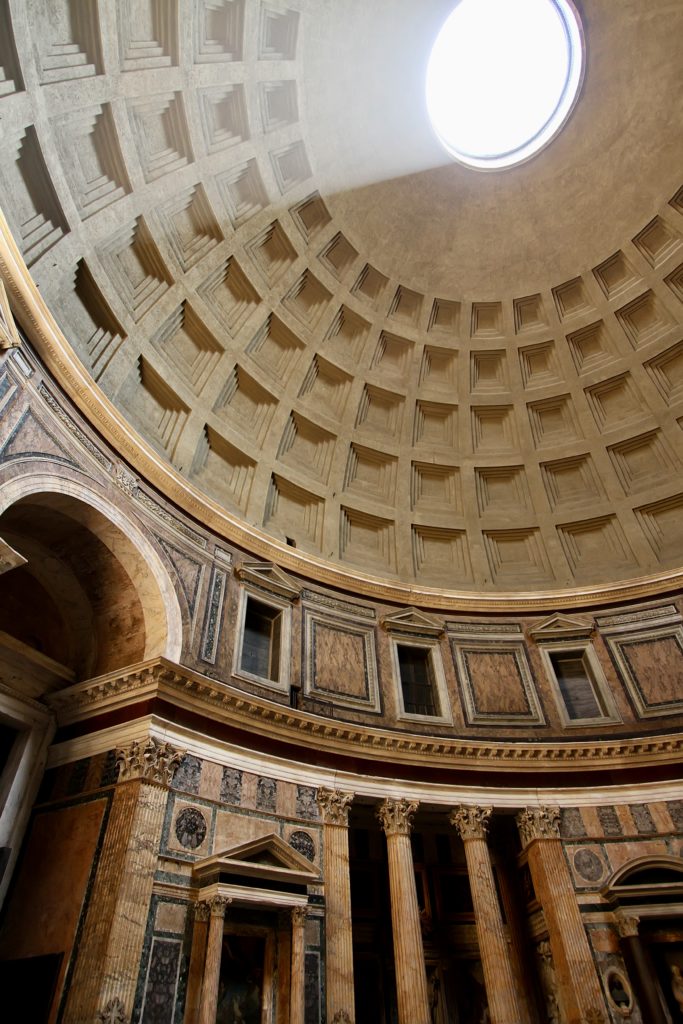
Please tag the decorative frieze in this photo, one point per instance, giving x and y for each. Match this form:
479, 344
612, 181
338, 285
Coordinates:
149, 760
538, 823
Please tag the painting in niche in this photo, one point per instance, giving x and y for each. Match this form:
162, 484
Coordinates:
240, 987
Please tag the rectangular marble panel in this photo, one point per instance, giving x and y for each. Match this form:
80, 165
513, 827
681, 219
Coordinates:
340, 663
651, 664
496, 683
162, 982
233, 829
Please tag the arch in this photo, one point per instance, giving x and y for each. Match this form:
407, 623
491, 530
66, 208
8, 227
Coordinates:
645, 871
130, 552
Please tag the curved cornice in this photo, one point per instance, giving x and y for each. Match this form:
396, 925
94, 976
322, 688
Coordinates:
218, 706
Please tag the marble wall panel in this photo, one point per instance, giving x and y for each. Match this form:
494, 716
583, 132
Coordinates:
340, 660
50, 892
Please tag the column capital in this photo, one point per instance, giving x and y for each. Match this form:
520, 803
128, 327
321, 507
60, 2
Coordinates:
626, 925
471, 822
299, 915
201, 911
396, 816
538, 823
149, 760
334, 805
218, 905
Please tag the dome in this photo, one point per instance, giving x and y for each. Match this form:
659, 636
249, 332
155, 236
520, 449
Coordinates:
331, 336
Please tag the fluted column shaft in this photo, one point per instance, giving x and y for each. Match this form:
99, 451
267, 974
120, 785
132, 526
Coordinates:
208, 1005
409, 962
296, 985
110, 948
499, 979
197, 956
334, 806
579, 992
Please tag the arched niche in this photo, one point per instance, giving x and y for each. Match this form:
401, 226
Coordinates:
646, 876
93, 595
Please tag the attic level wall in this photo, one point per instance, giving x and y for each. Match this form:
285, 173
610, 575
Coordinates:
493, 676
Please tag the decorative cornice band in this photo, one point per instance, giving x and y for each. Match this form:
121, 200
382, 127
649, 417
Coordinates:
226, 705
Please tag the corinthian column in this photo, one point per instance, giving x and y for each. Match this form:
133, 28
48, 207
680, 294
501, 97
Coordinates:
212, 967
296, 983
472, 824
409, 963
334, 806
108, 964
579, 992
197, 957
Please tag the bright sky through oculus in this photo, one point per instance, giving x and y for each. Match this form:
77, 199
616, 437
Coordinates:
502, 78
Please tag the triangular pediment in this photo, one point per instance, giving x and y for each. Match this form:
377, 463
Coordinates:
412, 620
268, 576
559, 627
266, 859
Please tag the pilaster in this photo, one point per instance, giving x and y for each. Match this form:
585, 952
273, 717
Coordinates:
200, 932
296, 984
108, 964
579, 991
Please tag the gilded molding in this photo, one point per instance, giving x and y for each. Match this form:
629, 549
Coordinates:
471, 822
148, 760
396, 816
334, 805
538, 823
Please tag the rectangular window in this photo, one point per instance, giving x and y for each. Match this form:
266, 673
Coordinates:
577, 687
417, 681
261, 640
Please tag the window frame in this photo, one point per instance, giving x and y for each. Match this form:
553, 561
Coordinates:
441, 697
284, 610
601, 689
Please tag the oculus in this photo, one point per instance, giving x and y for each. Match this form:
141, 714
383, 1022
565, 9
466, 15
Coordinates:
503, 77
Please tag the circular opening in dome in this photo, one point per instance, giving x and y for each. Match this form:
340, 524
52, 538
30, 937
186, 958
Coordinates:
503, 77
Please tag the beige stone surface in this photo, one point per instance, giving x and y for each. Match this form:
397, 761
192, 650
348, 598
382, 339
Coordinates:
171, 917
339, 336
233, 829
